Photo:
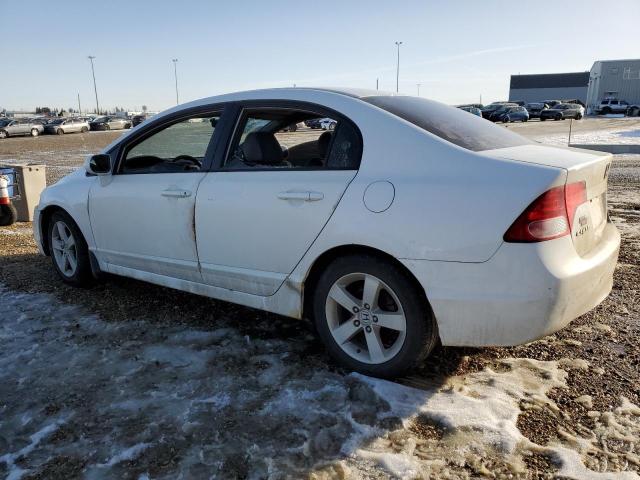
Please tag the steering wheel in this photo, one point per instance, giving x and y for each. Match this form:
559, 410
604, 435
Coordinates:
188, 158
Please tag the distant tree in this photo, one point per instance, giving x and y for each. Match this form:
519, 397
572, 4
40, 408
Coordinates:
144, 108
38, 110
45, 110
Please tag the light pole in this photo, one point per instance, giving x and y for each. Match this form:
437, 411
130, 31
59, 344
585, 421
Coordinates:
175, 73
95, 89
418, 85
398, 67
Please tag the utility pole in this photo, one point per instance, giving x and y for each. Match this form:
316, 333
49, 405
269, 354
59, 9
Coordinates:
95, 89
79, 108
175, 73
398, 67
418, 85
376, 84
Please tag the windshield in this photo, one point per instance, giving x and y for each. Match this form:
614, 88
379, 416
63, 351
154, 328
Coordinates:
4, 123
56, 122
100, 119
449, 123
534, 105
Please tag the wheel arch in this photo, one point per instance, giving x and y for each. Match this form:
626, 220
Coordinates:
45, 218
320, 263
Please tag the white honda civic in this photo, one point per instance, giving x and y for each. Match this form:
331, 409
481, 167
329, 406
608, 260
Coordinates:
409, 223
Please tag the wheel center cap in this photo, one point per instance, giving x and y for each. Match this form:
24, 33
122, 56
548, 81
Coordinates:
365, 317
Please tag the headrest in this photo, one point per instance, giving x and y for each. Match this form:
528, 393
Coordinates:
323, 143
262, 148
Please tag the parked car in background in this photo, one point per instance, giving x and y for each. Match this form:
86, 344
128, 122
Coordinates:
534, 109
138, 119
473, 110
60, 126
490, 109
313, 123
109, 123
612, 105
328, 124
362, 231
496, 115
13, 128
562, 111
511, 114
552, 103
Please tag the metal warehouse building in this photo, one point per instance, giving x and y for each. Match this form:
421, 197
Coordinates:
549, 86
614, 78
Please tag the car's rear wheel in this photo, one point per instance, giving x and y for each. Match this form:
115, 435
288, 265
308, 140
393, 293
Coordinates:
34, 132
107, 127
606, 110
542, 119
84, 130
60, 131
69, 251
372, 317
557, 117
506, 119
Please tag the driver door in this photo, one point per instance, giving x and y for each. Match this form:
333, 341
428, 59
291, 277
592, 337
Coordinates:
142, 216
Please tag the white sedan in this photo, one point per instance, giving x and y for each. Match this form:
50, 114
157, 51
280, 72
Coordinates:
409, 223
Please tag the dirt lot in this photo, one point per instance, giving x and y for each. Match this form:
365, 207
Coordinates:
129, 380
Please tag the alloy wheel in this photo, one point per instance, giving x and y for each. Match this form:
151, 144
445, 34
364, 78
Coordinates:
365, 318
64, 249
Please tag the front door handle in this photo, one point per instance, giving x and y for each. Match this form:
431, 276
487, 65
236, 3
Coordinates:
176, 193
304, 196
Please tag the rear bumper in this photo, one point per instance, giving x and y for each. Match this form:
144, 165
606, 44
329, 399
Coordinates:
524, 292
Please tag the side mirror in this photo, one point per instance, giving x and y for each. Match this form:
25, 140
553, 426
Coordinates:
99, 164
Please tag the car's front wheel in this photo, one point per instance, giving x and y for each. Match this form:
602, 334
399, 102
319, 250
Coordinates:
3, 134
60, 131
372, 317
34, 132
69, 251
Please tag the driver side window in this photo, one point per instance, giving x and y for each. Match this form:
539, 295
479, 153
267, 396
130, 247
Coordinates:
179, 147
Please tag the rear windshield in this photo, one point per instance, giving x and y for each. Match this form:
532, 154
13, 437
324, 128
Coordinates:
449, 123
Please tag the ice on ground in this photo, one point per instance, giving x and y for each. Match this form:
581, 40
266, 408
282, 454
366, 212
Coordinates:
140, 399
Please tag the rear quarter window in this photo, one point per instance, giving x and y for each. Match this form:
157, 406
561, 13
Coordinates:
449, 123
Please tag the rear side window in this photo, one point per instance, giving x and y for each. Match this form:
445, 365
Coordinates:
449, 123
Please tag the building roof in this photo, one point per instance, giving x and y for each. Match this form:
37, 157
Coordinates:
550, 80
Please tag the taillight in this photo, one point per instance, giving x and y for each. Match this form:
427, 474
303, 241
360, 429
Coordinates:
549, 216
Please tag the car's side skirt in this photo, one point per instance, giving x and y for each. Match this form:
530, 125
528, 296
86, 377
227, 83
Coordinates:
286, 301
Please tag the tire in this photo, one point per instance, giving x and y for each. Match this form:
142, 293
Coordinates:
556, 118
34, 132
394, 350
60, 131
8, 215
107, 127
542, 119
81, 275
332, 126
84, 130
606, 111
578, 117
3, 134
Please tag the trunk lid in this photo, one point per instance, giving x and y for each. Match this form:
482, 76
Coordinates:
588, 166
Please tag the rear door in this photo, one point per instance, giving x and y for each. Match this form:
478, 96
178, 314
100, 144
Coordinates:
271, 194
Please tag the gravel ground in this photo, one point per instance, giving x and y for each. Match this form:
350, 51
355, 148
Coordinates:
130, 380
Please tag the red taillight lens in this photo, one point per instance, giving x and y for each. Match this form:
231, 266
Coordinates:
549, 216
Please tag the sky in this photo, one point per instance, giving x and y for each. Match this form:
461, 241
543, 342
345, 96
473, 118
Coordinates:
460, 51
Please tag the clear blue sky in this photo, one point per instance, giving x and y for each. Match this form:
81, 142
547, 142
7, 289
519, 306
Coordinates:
458, 50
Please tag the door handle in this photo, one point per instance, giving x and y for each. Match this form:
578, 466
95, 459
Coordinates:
176, 193
304, 196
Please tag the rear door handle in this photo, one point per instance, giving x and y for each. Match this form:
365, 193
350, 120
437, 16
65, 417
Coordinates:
176, 193
304, 196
